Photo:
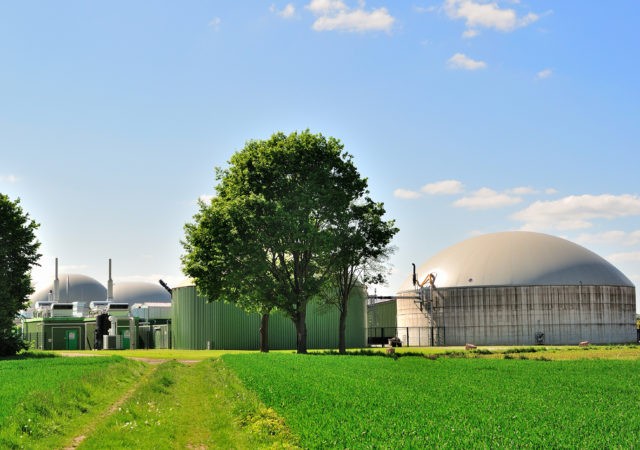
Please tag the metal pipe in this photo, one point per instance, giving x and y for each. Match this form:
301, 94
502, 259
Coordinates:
56, 285
110, 285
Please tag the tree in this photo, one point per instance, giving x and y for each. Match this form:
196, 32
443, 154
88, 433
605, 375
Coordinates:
269, 235
364, 245
18, 253
214, 258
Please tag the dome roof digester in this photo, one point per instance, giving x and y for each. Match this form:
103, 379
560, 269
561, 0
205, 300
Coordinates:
518, 258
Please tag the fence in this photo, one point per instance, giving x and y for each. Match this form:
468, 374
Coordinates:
409, 336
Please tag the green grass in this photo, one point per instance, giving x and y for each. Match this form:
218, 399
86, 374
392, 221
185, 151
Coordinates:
181, 355
43, 400
415, 402
199, 406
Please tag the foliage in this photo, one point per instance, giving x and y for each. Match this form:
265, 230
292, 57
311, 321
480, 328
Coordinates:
355, 402
11, 342
41, 409
18, 253
268, 237
363, 245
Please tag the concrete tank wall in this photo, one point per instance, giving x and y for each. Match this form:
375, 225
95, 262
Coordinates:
513, 315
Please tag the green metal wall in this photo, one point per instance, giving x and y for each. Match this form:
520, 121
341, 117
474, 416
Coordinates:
51, 333
198, 324
383, 314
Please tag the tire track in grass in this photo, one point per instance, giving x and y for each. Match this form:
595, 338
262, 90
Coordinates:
77, 441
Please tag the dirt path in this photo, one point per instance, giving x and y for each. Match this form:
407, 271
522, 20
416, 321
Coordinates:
153, 361
75, 443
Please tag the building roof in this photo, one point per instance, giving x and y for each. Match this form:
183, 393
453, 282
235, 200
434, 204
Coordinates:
74, 287
518, 258
139, 291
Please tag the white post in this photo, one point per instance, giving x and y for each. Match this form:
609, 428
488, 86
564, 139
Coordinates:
110, 285
56, 285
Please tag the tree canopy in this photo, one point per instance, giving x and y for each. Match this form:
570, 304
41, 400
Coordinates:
18, 253
268, 238
363, 239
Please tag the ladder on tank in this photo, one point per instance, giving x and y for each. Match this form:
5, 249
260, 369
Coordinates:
429, 301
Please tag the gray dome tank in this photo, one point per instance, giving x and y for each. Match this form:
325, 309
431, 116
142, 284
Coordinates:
74, 287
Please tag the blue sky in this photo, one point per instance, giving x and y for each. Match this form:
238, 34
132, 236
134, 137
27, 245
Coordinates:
466, 116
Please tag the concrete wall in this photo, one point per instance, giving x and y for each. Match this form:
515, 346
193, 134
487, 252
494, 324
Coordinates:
566, 315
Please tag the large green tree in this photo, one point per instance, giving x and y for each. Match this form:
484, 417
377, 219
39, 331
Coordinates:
363, 238
269, 235
18, 254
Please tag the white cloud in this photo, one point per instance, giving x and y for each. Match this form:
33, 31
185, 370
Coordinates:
575, 211
9, 179
624, 257
445, 187
321, 7
334, 15
523, 190
486, 198
546, 73
462, 61
470, 33
487, 15
206, 198
287, 12
550, 191
612, 237
215, 23
406, 194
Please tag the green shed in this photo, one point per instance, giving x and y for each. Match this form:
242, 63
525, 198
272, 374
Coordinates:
198, 324
382, 323
59, 333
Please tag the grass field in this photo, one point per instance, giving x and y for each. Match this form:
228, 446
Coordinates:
555, 397
191, 406
415, 402
43, 399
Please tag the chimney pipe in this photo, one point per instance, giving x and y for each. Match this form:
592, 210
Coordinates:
110, 285
56, 285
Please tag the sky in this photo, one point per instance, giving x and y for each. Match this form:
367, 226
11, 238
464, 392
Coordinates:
466, 116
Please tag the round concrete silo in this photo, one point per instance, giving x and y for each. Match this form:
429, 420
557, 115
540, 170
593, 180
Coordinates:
516, 288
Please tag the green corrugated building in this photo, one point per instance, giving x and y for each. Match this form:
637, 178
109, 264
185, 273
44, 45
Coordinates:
382, 323
198, 324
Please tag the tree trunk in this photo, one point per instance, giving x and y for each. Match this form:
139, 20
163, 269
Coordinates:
264, 333
301, 330
342, 335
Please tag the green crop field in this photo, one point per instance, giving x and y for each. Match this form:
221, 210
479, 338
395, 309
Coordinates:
493, 397
41, 399
415, 402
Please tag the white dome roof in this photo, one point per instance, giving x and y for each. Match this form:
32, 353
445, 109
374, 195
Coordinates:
139, 292
518, 258
74, 287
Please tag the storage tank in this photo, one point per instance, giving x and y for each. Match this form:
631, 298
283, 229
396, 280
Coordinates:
132, 292
73, 287
516, 288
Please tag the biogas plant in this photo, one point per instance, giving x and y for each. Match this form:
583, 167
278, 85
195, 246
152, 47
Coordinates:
516, 288
508, 288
